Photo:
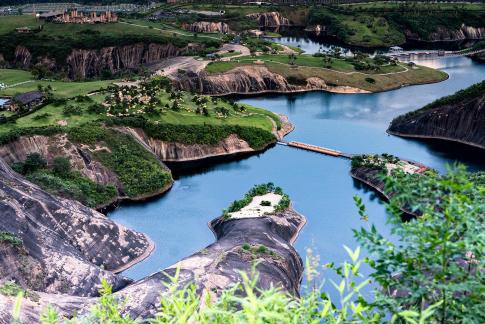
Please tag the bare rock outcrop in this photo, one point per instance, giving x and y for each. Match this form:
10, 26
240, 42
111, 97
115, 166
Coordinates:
179, 152
443, 34
270, 19
461, 122
88, 63
22, 56
80, 156
66, 248
207, 27
212, 270
252, 79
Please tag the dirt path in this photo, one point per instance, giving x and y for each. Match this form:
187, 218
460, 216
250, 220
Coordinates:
171, 66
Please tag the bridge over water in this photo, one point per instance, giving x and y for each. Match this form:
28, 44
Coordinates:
317, 149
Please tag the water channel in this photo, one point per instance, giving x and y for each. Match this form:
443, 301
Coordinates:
319, 186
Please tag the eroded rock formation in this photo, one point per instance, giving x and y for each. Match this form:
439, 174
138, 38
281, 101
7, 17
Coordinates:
207, 27
270, 19
460, 122
66, 247
179, 152
251, 79
212, 270
90, 63
444, 34
80, 156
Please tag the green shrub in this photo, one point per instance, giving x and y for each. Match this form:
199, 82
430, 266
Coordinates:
256, 137
61, 166
137, 169
11, 238
74, 186
87, 134
265, 203
41, 116
70, 110
259, 190
32, 163
370, 80
10, 288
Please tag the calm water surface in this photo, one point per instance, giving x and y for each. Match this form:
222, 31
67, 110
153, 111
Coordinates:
320, 186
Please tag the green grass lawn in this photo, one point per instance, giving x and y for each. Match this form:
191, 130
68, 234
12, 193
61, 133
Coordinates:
301, 60
341, 74
9, 23
12, 76
252, 116
60, 88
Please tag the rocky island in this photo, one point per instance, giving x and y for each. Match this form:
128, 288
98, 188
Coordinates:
458, 118
264, 218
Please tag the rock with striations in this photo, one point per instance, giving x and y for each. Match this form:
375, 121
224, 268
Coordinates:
460, 120
270, 19
66, 247
207, 27
212, 270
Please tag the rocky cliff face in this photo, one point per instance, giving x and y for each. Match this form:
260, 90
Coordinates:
249, 80
270, 19
89, 63
461, 122
66, 248
207, 27
22, 56
80, 156
212, 270
179, 152
443, 34
86, 63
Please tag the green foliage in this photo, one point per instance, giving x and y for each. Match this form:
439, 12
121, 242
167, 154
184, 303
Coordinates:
61, 166
60, 180
376, 162
256, 137
10, 288
259, 190
41, 116
439, 256
32, 163
74, 185
87, 134
14, 134
70, 110
137, 169
10, 238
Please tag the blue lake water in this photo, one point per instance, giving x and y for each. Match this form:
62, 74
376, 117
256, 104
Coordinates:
320, 186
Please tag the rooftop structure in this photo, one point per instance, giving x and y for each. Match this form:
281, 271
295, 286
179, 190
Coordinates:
76, 17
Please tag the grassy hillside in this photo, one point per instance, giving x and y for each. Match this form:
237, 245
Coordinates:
384, 24
90, 120
337, 71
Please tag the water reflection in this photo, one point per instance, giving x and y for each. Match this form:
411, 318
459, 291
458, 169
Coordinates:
320, 186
